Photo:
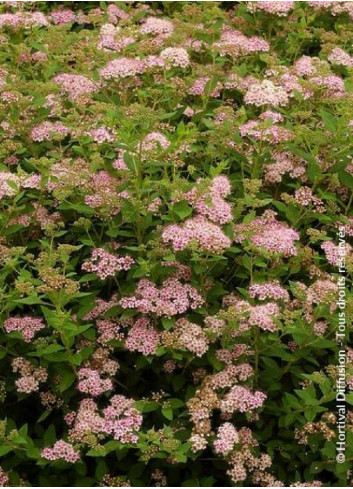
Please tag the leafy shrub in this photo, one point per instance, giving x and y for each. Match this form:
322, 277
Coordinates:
175, 180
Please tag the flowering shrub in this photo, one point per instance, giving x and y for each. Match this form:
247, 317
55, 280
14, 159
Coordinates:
175, 180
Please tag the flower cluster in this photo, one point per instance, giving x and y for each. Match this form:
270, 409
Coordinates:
8, 184
236, 43
267, 233
31, 376
191, 337
47, 130
173, 297
270, 290
90, 382
281, 9
157, 27
206, 235
211, 203
122, 68
106, 264
266, 93
76, 86
61, 450
142, 337
176, 249
340, 57
28, 326
227, 437
241, 399
119, 419
175, 57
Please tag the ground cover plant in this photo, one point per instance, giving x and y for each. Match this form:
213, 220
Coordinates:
175, 179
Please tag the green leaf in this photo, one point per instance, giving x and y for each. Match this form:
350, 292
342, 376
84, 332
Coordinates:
168, 413
346, 179
130, 162
182, 209
67, 380
329, 121
49, 437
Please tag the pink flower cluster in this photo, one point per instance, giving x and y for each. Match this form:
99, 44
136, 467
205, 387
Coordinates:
4, 478
211, 203
119, 163
62, 16
31, 376
304, 66
175, 57
180, 270
285, 163
105, 264
206, 235
142, 337
122, 68
191, 337
109, 40
108, 330
227, 437
157, 27
32, 181
334, 7
101, 135
90, 382
23, 19
44, 131
305, 197
267, 233
322, 291
340, 57
277, 238
292, 83
102, 192
27, 325
153, 141
199, 88
266, 93
259, 130
119, 420
281, 9
262, 316
214, 325
270, 115
259, 315
61, 450
122, 420
76, 86
235, 43
320, 328
335, 253
115, 13
333, 85
241, 399
268, 290
155, 205
170, 299
232, 373
8, 184
153, 61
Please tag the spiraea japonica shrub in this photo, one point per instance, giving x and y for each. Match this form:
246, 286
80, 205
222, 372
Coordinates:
175, 179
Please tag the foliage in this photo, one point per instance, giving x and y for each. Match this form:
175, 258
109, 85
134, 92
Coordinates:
175, 179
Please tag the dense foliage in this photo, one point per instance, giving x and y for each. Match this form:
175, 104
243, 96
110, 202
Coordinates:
175, 179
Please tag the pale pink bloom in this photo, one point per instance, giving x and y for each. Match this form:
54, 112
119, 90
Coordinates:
176, 57
27, 325
61, 450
